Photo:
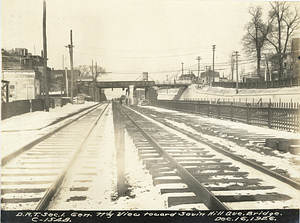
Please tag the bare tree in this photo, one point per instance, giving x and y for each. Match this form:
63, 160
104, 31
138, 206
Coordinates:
84, 70
255, 37
87, 71
284, 21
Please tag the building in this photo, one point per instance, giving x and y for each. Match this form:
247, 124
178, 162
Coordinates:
188, 77
59, 82
23, 84
20, 59
209, 76
23, 73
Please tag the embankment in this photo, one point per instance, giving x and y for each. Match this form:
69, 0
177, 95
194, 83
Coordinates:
285, 95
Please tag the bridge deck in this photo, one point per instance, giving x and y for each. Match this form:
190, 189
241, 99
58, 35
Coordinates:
141, 84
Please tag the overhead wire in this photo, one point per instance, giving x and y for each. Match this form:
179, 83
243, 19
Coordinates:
190, 67
139, 57
142, 50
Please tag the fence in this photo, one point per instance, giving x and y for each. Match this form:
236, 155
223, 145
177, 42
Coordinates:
20, 107
284, 116
290, 82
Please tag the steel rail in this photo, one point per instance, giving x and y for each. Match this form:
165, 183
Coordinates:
271, 173
44, 202
29, 145
209, 199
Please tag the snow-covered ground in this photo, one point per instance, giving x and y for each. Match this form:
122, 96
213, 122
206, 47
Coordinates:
286, 95
19, 130
102, 193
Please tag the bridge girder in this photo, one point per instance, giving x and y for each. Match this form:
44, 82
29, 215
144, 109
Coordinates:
124, 84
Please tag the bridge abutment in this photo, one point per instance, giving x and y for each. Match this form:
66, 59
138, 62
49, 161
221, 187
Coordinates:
147, 93
130, 94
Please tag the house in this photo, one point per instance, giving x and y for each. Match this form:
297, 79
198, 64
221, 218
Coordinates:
23, 73
188, 77
209, 76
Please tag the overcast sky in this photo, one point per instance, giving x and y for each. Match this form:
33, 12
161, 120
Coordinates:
130, 37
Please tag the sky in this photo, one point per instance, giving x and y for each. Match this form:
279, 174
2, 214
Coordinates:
129, 37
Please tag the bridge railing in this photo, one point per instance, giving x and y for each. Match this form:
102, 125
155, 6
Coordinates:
173, 82
273, 115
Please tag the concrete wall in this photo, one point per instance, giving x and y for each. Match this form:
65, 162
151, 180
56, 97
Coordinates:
167, 94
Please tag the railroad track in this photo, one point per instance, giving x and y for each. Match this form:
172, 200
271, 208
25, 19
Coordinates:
30, 180
90, 179
191, 171
239, 136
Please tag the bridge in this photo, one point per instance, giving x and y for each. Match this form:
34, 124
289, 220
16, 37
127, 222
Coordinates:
132, 85
142, 84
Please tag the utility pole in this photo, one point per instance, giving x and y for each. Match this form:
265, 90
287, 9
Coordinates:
46, 91
214, 47
92, 68
94, 86
181, 68
95, 71
70, 46
199, 59
96, 79
67, 82
237, 73
63, 67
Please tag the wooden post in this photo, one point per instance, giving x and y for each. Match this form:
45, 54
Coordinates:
219, 109
120, 149
121, 158
231, 111
7, 91
31, 106
248, 114
208, 109
270, 116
